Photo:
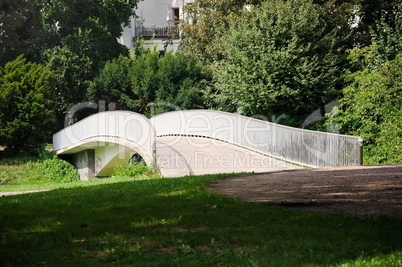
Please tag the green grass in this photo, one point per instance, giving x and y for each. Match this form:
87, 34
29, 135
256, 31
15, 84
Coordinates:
23, 173
175, 222
150, 221
30, 172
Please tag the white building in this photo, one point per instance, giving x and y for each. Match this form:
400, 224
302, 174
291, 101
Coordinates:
156, 20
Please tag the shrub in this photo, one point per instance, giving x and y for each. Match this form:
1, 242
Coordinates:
134, 169
53, 170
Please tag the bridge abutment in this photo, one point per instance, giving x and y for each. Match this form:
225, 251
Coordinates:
84, 161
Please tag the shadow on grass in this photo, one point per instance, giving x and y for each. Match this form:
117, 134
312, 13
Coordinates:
173, 222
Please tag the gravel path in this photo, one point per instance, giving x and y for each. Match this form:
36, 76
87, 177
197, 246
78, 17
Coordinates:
363, 190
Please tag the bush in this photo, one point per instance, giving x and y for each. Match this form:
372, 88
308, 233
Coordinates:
27, 115
53, 170
134, 169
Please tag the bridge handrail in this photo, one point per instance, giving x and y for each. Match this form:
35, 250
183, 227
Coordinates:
305, 147
114, 124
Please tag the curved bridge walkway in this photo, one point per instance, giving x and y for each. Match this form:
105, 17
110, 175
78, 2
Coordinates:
196, 142
185, 155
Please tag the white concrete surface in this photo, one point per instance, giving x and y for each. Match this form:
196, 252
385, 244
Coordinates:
182, 155
301, 146
119, 132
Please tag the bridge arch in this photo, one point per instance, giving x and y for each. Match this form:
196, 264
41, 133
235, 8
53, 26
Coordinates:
104, 140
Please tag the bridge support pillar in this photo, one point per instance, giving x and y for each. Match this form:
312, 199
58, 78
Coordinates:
85, 163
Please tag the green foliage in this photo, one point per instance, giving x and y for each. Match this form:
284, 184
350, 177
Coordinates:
134, 169
113, 81
372, 106
42, 168
75, 38
130, 83
173, 80
53, 170
88, 28
20, 30
82, 37
353, 22
27, 110
181, 81
279, 58
10, 159
387, 33
144, 81
208, 24
373, 16
73, 74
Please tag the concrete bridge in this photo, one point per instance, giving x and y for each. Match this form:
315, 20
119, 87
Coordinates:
195, 142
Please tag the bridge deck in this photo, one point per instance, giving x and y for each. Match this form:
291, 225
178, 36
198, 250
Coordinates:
179, 156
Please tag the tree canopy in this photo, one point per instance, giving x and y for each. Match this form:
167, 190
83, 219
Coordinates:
207, 26
173, 81
74, 38
81, 38
371, 106
20, 30
279, 58
27, 113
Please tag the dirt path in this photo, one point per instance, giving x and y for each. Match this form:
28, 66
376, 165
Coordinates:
363, 190
3, 194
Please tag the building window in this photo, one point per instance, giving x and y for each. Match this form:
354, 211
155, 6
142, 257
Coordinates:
176, 13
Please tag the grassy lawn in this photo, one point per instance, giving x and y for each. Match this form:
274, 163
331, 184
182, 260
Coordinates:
174, 222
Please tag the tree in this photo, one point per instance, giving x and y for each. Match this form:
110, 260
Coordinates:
75, 38
113, 81
372, 102
131, 83
182, 81
20, 30
372, 105
89, 27
207, 26
82, 36
280, 58
27, 111
172, 80
357, 20
373, 14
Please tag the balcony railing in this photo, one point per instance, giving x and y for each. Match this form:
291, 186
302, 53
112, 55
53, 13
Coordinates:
158, 32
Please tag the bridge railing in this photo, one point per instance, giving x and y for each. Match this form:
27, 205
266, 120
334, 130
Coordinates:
305, 147
116, 125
